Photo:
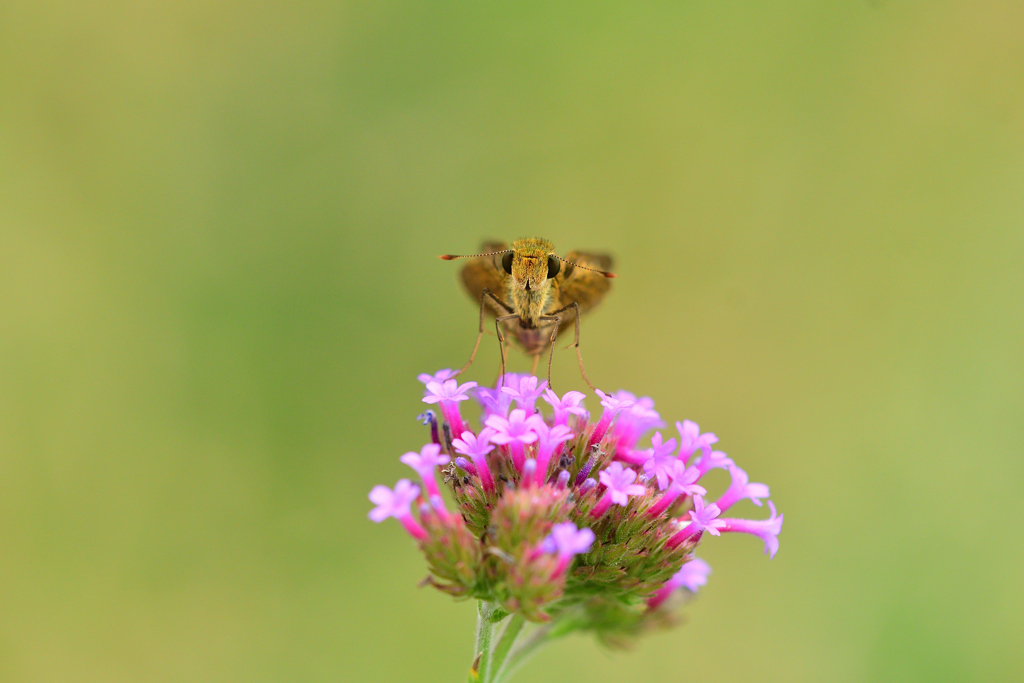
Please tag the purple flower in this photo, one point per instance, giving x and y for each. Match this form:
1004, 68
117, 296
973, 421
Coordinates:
517, 427
683, 483
616, 402
690, 439
568, 404
526, 393
478, 447
660, 461
567, 541
424, 463
766, 529
691, 576
620, 486
449, 390
448, 394
439, 376
515, 432
713, 460
612, 407
740, 489
548, 440
494, 401
634, 421
702, 518
396, 504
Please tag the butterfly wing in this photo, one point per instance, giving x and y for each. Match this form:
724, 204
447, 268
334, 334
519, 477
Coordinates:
584, 287
485, 272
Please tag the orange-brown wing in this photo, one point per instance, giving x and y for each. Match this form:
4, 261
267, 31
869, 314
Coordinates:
485, 272
584, 287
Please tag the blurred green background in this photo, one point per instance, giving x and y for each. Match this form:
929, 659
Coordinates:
219, 224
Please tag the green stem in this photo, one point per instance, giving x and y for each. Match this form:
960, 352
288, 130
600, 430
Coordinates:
497, 657
485, 623
509, 637
518, 655
532, 639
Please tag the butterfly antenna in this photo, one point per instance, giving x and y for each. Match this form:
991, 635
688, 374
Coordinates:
452, 257
603, 272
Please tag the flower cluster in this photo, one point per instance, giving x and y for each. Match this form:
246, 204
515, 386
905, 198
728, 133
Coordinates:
547, 513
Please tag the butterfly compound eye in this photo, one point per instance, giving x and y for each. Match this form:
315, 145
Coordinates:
554, 265
506, 263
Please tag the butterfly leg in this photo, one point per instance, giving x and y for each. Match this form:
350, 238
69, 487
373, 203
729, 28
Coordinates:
501, 341
480, 334
555, 315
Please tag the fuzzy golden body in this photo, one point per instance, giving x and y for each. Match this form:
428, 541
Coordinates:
533, 293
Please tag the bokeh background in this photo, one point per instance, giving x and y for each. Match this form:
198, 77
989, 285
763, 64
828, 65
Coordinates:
219, 224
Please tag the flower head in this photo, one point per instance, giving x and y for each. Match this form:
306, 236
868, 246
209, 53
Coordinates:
537, 492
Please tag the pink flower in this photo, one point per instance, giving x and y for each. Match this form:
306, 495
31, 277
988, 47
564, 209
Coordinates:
691, 576
449, 390
713, 460
634, 421
659, 460
396, 504
690, 440
515, 432
439, 376
612, 407
448, 394
424, 463
526, 393
702, 518
570, 404
740, 489
548, 441
567, 541
494, 401
683, 483
478, 448
766, 529
533, 532
619, 481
